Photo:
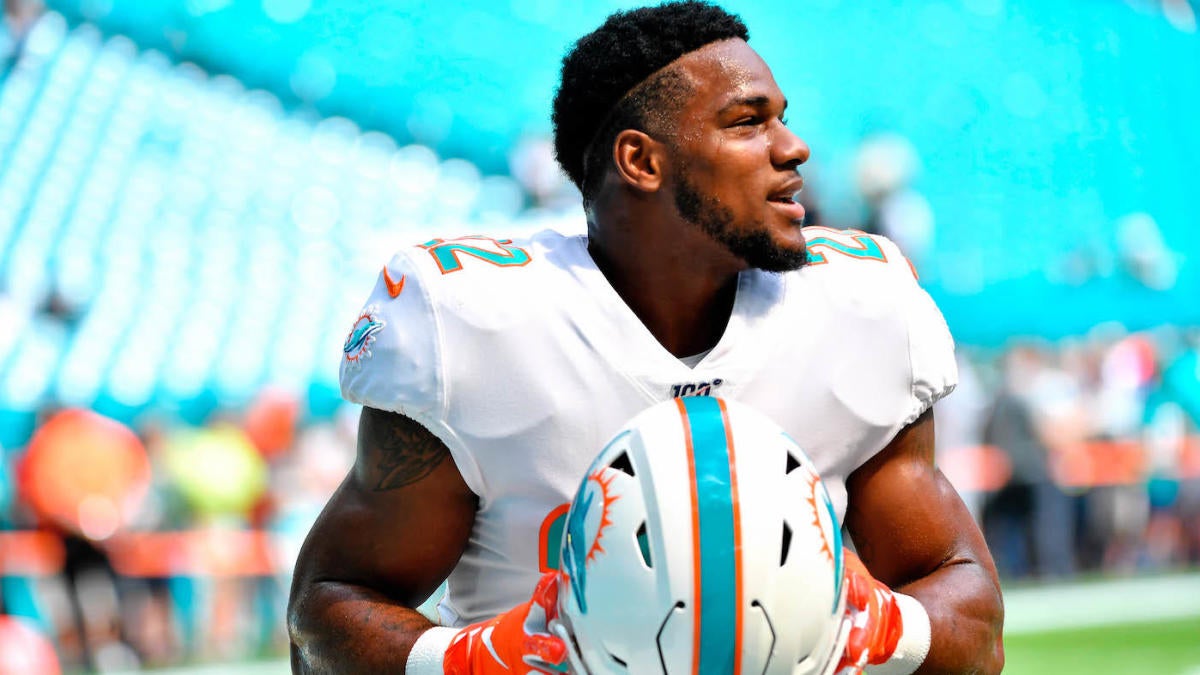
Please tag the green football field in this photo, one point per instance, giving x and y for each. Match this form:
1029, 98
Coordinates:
1132, 626
1158, 648
1135, 626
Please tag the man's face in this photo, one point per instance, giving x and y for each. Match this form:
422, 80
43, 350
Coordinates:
733, 163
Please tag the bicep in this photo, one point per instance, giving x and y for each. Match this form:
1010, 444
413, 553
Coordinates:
905, 518
399, 521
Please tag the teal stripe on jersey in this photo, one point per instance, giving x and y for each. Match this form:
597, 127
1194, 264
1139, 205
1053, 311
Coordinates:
714, 491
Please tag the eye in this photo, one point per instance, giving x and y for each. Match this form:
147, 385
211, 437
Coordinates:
783, 120
747, 121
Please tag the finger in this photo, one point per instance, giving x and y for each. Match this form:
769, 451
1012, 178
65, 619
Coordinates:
856, 644
545, 648
848, 666
546, 592
893, 628
545, 582
858, 591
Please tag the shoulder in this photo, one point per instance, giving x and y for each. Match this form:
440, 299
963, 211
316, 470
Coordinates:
479, 273
393, 355
858, 262
468, 258
873, 286
866, 275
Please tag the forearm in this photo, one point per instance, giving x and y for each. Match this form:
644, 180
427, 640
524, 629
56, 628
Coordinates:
341, 628
966, 616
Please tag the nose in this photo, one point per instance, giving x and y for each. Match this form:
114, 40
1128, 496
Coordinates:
788, 150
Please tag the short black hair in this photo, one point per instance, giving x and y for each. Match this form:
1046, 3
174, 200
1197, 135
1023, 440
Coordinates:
595, 98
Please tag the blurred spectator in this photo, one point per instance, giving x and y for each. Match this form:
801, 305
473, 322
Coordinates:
1144, 252
1169, 436
1181, 379
19, 15
960, 420
1165, 439
84, 476
531, 162
886, 168
1028, 522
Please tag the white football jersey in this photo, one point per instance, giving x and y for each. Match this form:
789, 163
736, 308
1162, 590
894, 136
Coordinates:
524, 361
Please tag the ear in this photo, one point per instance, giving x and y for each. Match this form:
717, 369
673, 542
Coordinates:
639, 160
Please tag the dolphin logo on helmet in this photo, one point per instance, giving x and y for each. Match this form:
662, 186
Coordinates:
718, 543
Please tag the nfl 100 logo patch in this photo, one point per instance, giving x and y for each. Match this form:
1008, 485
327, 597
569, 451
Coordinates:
358, 343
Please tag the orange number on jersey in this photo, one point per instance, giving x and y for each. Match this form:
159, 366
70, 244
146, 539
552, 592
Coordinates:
852, 243
499, 252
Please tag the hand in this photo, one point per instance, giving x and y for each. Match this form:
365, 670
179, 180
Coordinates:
874, 617
518, 641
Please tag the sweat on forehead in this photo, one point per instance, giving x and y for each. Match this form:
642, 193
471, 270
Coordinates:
606, 64
732, 66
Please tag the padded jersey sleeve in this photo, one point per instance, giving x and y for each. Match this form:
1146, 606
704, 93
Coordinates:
392, 357
933, 370
931, 354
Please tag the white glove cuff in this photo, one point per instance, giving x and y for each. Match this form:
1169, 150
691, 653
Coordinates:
429, 650
913, 646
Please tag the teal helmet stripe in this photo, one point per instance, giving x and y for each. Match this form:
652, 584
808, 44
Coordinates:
717, 567
838, 563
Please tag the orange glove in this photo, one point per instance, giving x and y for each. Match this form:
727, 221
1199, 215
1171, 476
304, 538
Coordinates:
874, 616
516, 642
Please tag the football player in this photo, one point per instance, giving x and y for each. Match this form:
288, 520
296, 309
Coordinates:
491, 371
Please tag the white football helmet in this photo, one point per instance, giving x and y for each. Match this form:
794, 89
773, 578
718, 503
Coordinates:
702, 541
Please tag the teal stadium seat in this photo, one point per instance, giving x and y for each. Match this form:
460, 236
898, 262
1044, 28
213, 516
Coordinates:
217, 230
212, 240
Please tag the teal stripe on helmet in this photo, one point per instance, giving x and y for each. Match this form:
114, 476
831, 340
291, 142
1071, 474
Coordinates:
838, 563
714, 492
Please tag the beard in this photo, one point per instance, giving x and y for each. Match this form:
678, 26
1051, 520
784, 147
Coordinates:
753, 245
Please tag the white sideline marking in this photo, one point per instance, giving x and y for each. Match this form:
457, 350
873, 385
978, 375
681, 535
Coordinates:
1101, 603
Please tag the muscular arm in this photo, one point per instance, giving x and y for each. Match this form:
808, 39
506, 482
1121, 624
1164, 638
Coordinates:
389, 535
913, 533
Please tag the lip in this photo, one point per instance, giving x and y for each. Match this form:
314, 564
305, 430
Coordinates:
792, 209
788, 189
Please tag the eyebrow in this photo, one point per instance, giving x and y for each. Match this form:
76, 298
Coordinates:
750, 102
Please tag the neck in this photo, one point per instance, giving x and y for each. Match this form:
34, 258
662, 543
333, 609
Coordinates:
678, 282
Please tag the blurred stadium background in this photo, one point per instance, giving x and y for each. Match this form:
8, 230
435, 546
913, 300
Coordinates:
196, 195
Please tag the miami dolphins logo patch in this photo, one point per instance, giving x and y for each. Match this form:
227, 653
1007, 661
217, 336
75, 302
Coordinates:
358, 343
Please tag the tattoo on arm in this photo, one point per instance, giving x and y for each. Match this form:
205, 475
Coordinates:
402, 451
